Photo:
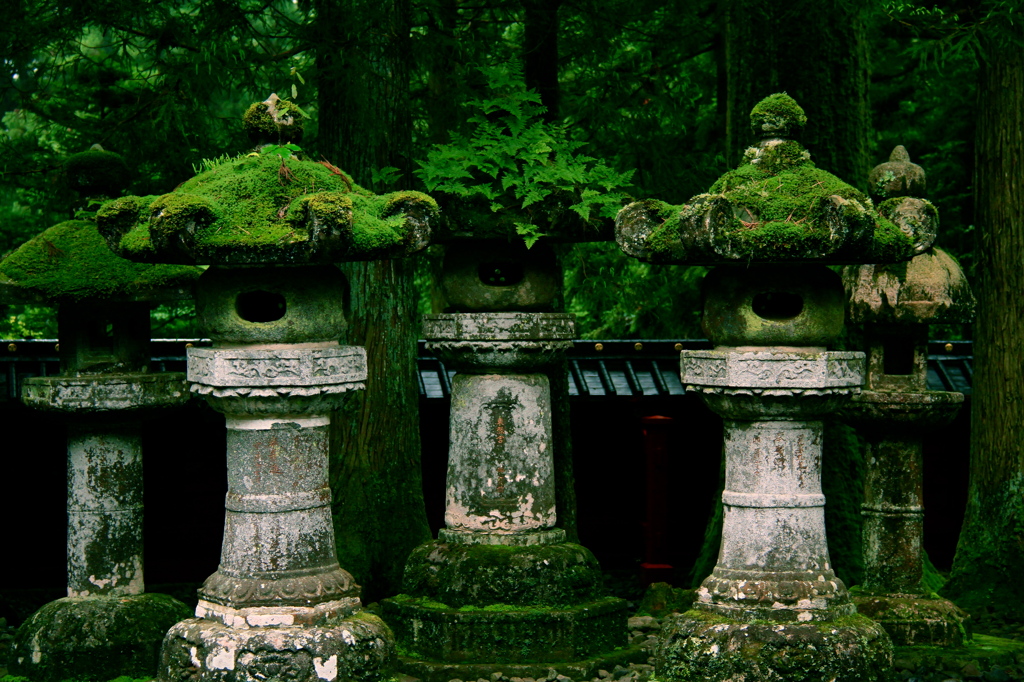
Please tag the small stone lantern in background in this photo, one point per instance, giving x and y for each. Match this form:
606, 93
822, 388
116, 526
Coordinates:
896, 303
271, 226
500, 590
107, 625
773, 607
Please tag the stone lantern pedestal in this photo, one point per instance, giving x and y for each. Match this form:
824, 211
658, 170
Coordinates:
279, 604
773, 608
895, 304
279, 607
501, 589
107, 625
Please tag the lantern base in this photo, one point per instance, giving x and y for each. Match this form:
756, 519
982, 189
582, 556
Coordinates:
913, 619
700, 646
94, 637
358, 647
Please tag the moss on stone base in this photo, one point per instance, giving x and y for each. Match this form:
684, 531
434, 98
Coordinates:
585, 669
700, 646
915, 619
95, 638
503, 633
562, 574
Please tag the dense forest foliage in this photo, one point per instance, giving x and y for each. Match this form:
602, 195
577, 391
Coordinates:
640, 84
655, 94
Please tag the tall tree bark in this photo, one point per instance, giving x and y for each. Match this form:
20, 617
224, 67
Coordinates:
540, 52
379, 516
817, 53
990, 554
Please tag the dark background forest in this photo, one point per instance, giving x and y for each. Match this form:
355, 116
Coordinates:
662, 89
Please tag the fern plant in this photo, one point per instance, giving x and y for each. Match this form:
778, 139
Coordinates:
523, 168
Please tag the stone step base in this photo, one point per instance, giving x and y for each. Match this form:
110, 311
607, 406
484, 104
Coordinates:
514, 635
585, 669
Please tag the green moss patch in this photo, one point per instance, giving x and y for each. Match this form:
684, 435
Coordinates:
260, 204
483, 576
777, 114
72, 262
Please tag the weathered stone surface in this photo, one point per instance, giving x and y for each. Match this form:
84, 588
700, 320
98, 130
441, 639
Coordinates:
897, 177
931, 289
500, 462
696, 646
499, 326
272, 305
359, 647
893, 423
104, 510
766, 306
500, 634
106, 392
282, 380
94, 638
789, 370
913, 619
499, 276
481, 575
773, 563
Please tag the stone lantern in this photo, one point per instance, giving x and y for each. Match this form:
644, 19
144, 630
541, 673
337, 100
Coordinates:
896, 303
773, 608
271, 226
107, 625
501, 590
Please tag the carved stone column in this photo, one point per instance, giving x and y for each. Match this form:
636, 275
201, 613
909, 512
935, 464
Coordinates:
501, 589
895, 304
107, 625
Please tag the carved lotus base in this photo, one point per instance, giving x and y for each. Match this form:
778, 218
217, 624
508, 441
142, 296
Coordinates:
780, 597
359, 647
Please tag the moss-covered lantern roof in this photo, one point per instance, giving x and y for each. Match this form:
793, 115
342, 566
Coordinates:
268, 206
775, 207
71, 262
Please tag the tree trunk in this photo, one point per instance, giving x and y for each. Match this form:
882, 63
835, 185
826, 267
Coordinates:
540, 52
379, 516
990, 554
816, 52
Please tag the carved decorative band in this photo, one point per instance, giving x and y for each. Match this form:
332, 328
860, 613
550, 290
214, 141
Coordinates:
269, 504
246, 368
269, 590
498, 346
499, 326
106, 392
552, 536
769, 500
772, 370
277, 391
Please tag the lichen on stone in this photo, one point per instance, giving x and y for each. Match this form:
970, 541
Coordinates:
71, 262
275, 120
